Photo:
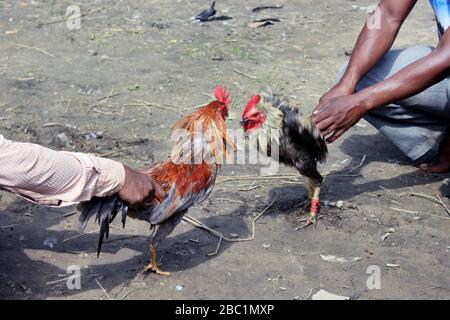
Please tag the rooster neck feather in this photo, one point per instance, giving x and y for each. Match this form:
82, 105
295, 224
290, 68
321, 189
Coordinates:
271, 128
276, 107
214, 136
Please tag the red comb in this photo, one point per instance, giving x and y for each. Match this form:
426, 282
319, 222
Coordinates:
222, 95
254, 100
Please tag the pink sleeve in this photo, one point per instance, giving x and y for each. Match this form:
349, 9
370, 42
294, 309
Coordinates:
56, 178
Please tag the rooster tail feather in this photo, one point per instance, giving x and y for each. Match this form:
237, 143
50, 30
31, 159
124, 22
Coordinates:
105, 210
88, 210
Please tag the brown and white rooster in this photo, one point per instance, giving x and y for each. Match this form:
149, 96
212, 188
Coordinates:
272, 118
187, 177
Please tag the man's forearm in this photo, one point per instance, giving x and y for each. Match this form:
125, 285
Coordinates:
409, 81
375, 39
50, 177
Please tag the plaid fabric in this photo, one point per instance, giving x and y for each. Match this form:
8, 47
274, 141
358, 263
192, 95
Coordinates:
442, 12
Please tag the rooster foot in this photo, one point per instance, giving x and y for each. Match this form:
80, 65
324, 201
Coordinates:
153, 267
312, 220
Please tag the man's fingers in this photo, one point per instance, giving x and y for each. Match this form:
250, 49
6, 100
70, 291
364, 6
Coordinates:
336, 135
325, 124
317, 109
329, 130
319, 115
160, 194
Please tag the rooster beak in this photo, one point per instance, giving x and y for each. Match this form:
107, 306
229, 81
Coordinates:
244, 121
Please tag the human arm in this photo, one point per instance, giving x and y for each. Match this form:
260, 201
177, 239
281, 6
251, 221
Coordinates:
375, 39
56, 178
337, 115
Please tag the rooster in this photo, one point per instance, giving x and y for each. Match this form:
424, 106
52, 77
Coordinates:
272, 117
186, 182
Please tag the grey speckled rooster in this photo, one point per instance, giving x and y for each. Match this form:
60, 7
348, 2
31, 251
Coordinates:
269, 118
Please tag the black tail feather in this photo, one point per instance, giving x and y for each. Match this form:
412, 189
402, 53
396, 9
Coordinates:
105, 210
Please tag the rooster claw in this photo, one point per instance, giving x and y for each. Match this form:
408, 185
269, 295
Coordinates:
155, 268
310, 221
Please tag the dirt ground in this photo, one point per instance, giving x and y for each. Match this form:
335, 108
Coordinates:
134, 67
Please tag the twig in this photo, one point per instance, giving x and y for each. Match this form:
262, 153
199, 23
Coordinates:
444, 205
57, 281
250, 188
217, 248
102, 112
68, 214
229, 200
257, 178
388, 191
126, 238
81, 15
11, 226
107, 97
201, 225
337, 171
151, 104
309, 295
424, 196
53, 124
103, 289
244, 74
403, 210
13, 108
417, 212
34, 48
360, 164
81, 235
126, 294
114, 152
310, 253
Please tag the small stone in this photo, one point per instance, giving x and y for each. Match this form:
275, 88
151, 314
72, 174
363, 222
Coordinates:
61, 140
218, 57
385, 236
179, 287
339, 204
99, 135
266, 246
50, 242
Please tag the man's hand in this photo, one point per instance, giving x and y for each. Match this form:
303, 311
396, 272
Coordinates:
336, 115
139, 189
339, 90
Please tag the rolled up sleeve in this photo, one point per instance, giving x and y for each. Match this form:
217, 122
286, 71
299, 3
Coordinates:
56, 178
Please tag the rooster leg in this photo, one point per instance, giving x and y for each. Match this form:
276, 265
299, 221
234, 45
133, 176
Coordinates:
164, 229
153, 265
310, 188
314, 194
